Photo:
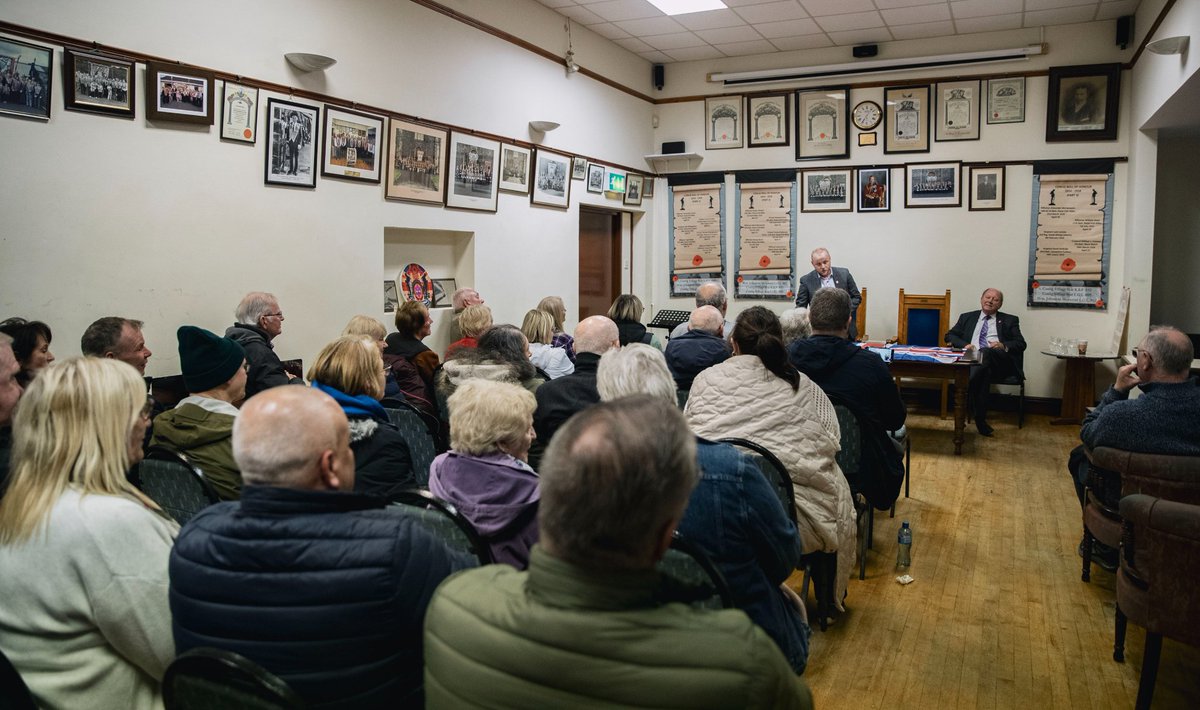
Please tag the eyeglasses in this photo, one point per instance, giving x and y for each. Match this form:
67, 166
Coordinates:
274, 315
1135, 352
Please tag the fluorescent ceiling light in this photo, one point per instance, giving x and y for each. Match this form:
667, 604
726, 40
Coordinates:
683, 7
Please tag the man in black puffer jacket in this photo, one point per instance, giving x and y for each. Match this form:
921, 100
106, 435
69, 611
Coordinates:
323, 588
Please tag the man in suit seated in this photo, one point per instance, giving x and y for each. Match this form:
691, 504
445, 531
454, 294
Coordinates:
592, 623
997, 338
825, 275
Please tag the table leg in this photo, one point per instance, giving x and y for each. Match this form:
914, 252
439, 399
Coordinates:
1079, 390
961, 378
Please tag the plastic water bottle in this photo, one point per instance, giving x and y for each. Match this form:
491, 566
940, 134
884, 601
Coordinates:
904, 546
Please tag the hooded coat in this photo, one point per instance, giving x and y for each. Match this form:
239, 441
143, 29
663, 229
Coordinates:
498, 494
205, 437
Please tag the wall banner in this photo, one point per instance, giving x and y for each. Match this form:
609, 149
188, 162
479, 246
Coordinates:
697, 229
765, 236
1070, 235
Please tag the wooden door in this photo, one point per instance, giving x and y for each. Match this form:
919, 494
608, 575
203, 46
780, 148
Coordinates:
599, 261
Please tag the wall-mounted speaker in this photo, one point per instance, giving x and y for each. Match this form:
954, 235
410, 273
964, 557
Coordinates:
660, 75
1124, 30
672, 147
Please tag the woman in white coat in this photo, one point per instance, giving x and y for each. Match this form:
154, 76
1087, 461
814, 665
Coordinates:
758, 395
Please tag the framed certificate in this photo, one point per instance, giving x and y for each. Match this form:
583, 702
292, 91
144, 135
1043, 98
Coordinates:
906, 119
957, 111
1006, 100
767, 115
823, 123
723, 122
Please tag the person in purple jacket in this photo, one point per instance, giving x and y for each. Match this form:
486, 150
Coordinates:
486, 474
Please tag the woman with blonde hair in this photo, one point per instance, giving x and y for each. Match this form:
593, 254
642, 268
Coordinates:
538, 328
558, 311
626, 312
472, 322
350, 369
85, 617
486, 473
372, 328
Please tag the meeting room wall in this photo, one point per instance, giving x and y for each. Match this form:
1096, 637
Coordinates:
169, 224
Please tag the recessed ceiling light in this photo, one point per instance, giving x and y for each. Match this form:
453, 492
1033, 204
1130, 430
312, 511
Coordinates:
682, 7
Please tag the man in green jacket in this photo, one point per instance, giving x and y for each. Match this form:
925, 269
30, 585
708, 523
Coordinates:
591, 623
201, 425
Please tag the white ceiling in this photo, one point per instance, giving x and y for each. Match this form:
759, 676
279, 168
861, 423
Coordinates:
765, 26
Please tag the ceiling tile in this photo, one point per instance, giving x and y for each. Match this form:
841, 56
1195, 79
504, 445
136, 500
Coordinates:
913, 15
984, 8
634, 44
928, 29
744, 3
836, 7
790, 44
989, 24
1064, 16
673, 41
879, 34
691, 54
787, 28
739, 49
617, 10
729, 35
772, 12
1031, 5
650, 26
609, 30
555, 4
656, 57
710, 20
854, 21
890, 4
1113, 10
580, 14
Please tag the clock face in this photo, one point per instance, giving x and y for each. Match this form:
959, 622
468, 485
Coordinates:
867, 115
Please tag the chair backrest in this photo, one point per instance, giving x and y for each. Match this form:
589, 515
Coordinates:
849, 459
14, 694
860, 316
294, 366
694, 577
774, 470
444, 521
412, 427
1175, 478
1160, 547
170, 480
167, 391
205, 678
923, 319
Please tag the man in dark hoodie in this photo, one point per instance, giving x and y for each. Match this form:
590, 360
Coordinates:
260, 321
201, 425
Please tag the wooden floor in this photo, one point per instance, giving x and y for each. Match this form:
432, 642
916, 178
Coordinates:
997, 616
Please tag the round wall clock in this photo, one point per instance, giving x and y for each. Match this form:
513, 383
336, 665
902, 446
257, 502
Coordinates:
867, 115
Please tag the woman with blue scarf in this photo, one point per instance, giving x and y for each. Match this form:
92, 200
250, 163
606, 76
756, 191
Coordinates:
350, 369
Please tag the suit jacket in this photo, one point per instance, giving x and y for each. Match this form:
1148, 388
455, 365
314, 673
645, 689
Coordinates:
810, 283
1008, 328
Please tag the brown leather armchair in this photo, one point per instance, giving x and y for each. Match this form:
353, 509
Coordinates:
1116, 473
1158, 582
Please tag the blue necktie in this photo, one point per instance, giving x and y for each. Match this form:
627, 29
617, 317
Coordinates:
983, 333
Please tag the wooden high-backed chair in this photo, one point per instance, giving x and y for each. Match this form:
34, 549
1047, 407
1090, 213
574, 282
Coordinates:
860, 318
924, 320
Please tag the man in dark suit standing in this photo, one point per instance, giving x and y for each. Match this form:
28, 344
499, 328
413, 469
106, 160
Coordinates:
997, 337
824, 275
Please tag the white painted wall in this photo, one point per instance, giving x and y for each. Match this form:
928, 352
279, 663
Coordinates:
1176, 233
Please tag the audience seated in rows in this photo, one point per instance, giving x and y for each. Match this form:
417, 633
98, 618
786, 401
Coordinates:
709, 293
558, 311
733, 515
472, 322
591, 623
30, 345
486, 474
259, 322
626, 312
502, 356
538, 328
795, 325
117, 338
758, 395
322, 587
10, 393
84, 617
699, 348
350, 370
201, 425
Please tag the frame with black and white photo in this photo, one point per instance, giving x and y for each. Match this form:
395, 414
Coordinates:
723, 124
351, 145
473, 181
97, 84
874, 189
551, 179
595, 178
178, 93
443, 293
823, 123
239, 113
1082, 103
291, 155
514, 169
824, 190
648, 186
767, 116
26, 79
578, 168
906, 119
957, 111
1006, 100
633, 189
933, 184
416, 162
986, 185
390, 298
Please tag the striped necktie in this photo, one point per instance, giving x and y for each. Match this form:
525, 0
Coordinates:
983, 332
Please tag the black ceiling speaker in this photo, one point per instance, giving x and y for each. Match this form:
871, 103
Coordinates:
863, 51
659, 76
1124, 30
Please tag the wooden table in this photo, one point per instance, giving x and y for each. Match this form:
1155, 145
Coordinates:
957, 372
1079, 385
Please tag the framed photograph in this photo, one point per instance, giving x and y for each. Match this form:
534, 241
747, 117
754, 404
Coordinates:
932, 184
578, 168
178, 93
552, 180
768, 117
27, 79
1006, 100
648, 186
351, 141
443, 291
595, 178
986, 187
514, 169
874, 190
633, 189
291, 155
822, 123
826, 190
723, 123
416, 163
239, 113
390, 299
98, 84
906, 119
1082, 103
472, 181
957, 111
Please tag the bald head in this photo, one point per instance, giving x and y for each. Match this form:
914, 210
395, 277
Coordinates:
597, 335
464, 297
707, 319
712, 293
294, 437
1170, 352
